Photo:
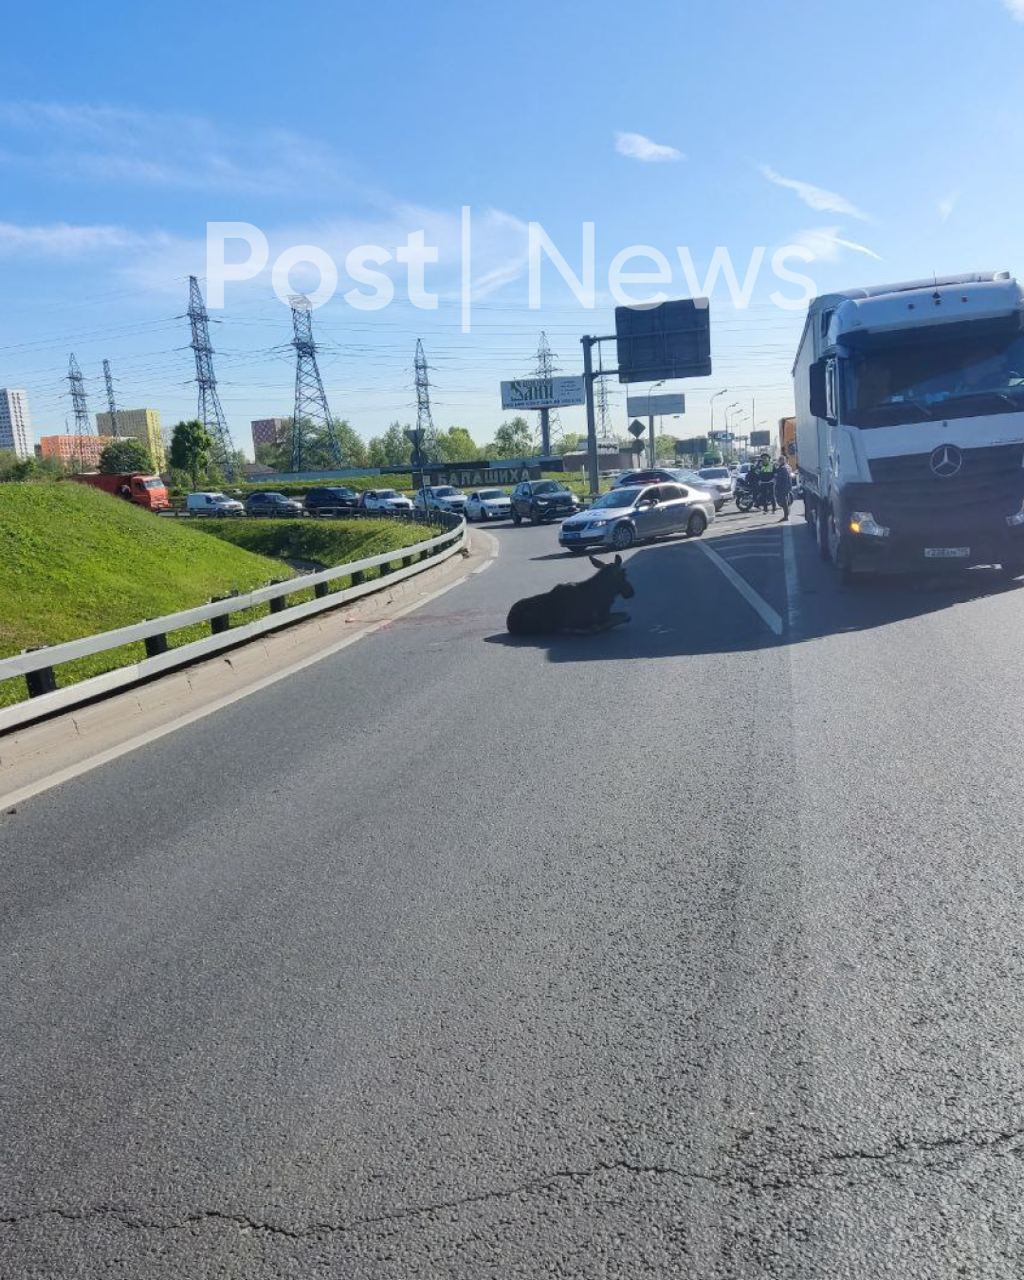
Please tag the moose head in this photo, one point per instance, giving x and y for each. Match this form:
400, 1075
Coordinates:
612, 578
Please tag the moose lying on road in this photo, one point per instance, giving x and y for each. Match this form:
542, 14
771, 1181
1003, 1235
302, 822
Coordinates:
574, 608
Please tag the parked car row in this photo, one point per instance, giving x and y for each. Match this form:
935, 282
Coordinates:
271, 503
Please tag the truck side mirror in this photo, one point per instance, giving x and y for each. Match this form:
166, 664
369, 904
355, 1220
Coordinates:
819, 393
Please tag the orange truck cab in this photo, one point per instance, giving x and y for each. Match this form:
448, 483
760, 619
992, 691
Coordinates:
144, 491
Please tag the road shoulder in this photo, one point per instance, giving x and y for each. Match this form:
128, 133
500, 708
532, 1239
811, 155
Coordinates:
41, 756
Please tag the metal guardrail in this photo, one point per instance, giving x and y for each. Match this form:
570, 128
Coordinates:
38, 665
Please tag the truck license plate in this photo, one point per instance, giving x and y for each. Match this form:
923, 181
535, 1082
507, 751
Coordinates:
947, 553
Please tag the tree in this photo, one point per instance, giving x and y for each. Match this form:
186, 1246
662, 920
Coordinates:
123, 456
571, 442
392, 449
190, 449
513, 439
353, 446
454, 445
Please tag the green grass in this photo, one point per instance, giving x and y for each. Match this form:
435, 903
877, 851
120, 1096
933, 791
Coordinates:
74, 561
325, 542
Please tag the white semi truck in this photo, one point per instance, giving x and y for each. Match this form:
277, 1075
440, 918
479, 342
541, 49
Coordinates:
910, 424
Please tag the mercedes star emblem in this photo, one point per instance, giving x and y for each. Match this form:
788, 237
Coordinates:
946, 461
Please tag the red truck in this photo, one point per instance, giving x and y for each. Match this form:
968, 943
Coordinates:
144, 491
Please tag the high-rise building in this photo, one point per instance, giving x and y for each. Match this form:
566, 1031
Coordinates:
15, 423
269, 431
80, 451
144, 425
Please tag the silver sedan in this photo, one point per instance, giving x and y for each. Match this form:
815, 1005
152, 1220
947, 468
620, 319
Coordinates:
637, 514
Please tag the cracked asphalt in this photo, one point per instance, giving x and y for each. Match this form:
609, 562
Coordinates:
689, 950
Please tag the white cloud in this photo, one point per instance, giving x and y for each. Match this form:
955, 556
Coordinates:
65, 240
637, 147
826, 244
1016, 8
817, 198
167, 150
948, 203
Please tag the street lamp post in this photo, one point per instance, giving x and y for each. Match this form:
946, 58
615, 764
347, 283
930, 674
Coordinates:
723, 391
650, 424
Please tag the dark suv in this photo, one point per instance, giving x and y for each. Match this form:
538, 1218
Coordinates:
338, 496
540, 500
271, 504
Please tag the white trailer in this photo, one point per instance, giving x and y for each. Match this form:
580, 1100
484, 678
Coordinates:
910, 424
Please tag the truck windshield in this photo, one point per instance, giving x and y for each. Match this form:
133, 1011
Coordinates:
159, 484
956, 377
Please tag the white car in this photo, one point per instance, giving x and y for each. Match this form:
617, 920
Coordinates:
385, 500
440, 497
488, 504
213, 504
721, 482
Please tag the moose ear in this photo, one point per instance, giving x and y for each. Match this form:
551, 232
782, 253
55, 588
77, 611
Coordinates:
595, 562
618, 561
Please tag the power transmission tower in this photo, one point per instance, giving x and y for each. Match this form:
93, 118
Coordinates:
83, 423
111, 404
604, 418
546, 368
311, 411
424, 418
210, 412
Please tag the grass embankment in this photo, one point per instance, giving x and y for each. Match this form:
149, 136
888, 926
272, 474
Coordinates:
74, 562
322, 542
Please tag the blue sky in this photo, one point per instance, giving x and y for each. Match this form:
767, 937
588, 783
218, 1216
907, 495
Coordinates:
884, 138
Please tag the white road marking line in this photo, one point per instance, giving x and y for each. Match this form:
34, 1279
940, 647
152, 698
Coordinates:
760, 606
200, 713
792, 578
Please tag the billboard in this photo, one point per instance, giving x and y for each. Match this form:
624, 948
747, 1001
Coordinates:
661, 406
542, 393
670, 340
760, 439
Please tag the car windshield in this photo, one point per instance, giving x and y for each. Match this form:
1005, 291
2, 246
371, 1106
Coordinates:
212, 497
488, 494
443, 490
270, 497
548, 486
386, 493
622, 497
955, 375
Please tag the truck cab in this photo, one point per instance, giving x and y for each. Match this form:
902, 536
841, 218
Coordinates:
142, 490
910, 424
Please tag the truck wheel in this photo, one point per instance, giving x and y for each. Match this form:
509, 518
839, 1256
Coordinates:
821, 528
838, 549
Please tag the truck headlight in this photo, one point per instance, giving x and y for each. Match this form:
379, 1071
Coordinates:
865, 524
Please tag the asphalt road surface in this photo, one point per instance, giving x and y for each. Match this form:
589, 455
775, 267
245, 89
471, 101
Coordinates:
695, 949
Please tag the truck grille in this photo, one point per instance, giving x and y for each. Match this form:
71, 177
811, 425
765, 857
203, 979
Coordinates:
994, 475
